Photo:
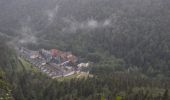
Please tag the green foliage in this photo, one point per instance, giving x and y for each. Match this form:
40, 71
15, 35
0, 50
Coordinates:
108, 65
131, 55
103, 98
5, 92
118, 98
138, 32
27, 84
94, 57
165, 95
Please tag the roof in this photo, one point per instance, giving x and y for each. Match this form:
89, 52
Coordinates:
64, 55
55, 52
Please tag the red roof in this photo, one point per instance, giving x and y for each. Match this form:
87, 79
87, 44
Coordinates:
55, 52
64, 55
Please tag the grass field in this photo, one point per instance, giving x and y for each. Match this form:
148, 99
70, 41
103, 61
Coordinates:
28, 66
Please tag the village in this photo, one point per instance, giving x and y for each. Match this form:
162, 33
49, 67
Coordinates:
55, 63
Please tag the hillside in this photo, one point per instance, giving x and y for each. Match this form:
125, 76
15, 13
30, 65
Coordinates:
135, 31
126, 41
24, 82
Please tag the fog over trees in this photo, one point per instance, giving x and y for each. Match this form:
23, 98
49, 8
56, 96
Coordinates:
127, 41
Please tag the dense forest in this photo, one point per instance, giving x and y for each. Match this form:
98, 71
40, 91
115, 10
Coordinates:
20, 83
127, 41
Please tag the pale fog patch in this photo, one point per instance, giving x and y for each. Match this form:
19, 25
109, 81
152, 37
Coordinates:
74, 25
27, 36
52, 13
107, 22
97, 24
92, 23
29, 39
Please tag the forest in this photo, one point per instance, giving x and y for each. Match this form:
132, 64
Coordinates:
127, 42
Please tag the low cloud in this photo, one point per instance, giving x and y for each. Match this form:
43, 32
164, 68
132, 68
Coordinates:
52, 14
107, 22
92, 23
27, 36
74, 25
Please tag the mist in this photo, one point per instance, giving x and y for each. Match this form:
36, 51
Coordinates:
85, 49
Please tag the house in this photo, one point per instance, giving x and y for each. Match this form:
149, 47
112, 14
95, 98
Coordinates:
60, 56
83, 65
34, 55
55, 52
46, 55
53, 62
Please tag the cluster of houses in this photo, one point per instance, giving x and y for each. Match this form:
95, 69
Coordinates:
54, 62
